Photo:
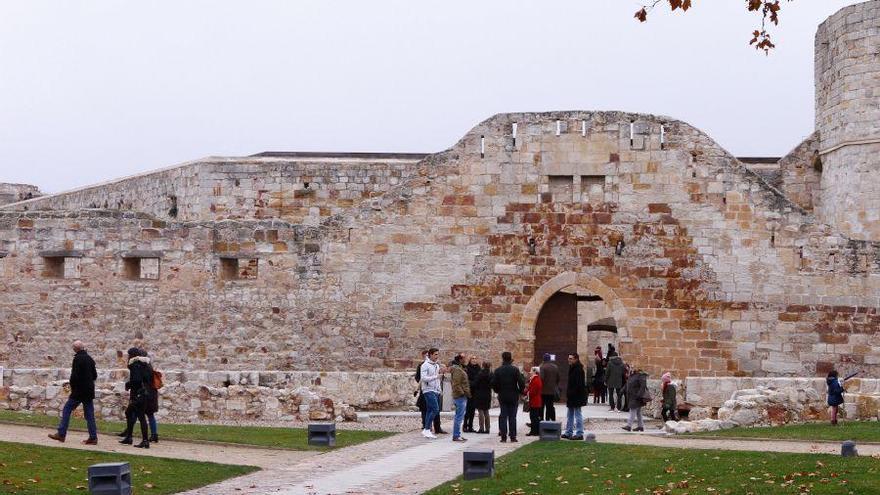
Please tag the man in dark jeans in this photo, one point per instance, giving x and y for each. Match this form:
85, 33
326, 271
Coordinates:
508, 383
420, 401
472, 369
82, 391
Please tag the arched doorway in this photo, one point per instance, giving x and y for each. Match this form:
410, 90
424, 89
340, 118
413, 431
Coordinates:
556, 333
572, 321
573, 313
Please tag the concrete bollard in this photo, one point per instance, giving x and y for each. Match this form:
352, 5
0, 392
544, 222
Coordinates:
478, 463
549, 431
590, 437
112, 478
848, 449
322, 434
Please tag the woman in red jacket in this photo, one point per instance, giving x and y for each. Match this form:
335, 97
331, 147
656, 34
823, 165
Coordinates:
533, 394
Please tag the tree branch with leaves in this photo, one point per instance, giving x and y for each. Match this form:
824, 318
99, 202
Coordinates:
767, 9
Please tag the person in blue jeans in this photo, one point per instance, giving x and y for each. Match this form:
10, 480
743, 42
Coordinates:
576, 398
429, 380
461, 392
82, 391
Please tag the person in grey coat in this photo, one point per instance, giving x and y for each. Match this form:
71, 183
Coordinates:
614, 381
550, 391
638, 396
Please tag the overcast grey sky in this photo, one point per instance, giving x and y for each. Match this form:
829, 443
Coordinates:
93, 90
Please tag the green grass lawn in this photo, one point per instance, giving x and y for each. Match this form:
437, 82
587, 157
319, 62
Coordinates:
571, 468
865, 431
34, 470
261, 436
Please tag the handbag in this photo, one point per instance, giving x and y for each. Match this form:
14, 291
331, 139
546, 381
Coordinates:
526, 406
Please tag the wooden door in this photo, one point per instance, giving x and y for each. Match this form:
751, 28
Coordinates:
556, 333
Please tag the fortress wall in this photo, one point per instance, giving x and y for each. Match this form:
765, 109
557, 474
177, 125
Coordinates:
297, 189
10, 193
303, 191
720, 275
171, 192
800, 175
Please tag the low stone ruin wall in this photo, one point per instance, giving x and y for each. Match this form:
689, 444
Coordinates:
221, 395
720, 403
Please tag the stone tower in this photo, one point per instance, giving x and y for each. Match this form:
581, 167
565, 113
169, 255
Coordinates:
848, 119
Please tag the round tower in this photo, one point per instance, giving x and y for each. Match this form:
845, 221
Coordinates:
848, 119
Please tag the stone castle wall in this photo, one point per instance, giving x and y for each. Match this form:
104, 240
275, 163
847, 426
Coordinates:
719, 275
12, 193
298, 189
800, 175
848, 119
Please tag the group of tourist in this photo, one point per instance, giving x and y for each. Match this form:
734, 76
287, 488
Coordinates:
472, 385
143, 386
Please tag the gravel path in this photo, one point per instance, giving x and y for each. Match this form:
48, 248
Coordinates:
263, 458
733, 444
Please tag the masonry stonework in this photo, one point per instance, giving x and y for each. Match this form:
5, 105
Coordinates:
352, 264
848, 119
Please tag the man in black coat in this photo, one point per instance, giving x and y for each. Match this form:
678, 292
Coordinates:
508, 383
82, 391
576, 398
472, 369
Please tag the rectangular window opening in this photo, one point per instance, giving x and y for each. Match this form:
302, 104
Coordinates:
134, 268
239, 268
593, 189
60, 267
562, 188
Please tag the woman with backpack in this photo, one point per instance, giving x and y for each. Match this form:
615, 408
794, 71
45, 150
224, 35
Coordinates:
140, 380
153, 399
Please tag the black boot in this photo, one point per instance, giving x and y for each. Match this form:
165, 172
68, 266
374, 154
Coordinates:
145, 444
154, 438
126, 441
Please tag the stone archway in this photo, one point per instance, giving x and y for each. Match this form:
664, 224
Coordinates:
572, 279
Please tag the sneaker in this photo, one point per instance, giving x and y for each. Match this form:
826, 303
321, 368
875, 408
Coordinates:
90, 441
425, 433
56, 436
577, 437
628, 428
566, 436
430, 435
459, 439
